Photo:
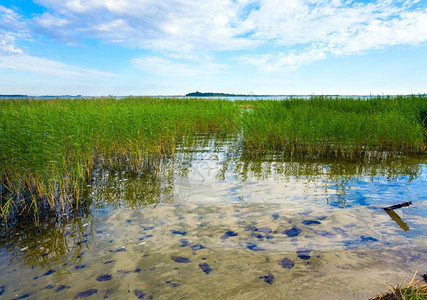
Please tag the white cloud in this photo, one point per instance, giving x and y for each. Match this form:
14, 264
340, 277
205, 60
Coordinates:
12, 23
7, 45
329, 30
177, 25
282, 34
47, 20
13, 27
46, 67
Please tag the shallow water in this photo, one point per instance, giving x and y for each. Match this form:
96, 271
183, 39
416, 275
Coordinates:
211, 223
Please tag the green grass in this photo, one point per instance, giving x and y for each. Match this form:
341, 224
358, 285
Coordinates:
323, 126
50, 148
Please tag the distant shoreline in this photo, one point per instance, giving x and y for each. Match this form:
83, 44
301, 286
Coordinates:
210, 94
203, 95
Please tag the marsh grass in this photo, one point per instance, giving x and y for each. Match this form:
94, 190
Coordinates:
336, 127
49, 149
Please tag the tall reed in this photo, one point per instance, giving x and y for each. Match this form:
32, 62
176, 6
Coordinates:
49, 148
335, 126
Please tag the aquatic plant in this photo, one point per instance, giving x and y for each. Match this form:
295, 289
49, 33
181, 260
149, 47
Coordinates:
335, 126
50, 148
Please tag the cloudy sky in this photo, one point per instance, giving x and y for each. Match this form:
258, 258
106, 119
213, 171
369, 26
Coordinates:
172, 47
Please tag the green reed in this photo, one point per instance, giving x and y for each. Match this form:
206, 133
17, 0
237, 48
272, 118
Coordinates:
337, 127
49, 148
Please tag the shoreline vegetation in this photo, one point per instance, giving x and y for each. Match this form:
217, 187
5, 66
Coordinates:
415, 290
49, 148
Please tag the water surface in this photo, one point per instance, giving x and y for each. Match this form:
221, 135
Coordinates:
212, 223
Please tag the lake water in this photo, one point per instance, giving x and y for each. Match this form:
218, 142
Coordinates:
210, 223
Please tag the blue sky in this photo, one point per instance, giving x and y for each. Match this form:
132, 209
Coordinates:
172, 47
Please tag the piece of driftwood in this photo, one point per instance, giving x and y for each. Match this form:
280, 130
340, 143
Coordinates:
393, 207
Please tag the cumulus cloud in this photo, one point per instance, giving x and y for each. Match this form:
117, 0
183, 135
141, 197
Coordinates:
331, 28
282, 34
175, 25
7, 45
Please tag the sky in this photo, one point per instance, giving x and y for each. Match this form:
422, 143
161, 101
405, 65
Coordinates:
173, 47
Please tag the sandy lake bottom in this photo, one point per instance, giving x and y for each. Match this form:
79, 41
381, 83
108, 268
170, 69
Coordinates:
215, 225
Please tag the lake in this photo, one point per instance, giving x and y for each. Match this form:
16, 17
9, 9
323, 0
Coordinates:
212, 223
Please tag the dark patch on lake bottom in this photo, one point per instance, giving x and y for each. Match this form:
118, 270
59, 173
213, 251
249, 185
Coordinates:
78, 267
253, 247
121, 249
229, 234
127, 271
109, 261
197, 247
50, 272
310, 222
180, 259
183, 233
141, 295
205, 268
23, 296
86, 293
294, 231
104, 277
304, 254
368, 239
268, 279
172, 284
286, 263
61, 288
184, 243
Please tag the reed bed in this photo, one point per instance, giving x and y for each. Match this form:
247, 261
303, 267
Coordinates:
336, 126
49, 148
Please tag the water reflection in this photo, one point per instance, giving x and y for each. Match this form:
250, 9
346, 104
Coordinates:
53, 242
395, 217
211, 211
219, 172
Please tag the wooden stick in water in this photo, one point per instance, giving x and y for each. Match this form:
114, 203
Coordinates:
393, 207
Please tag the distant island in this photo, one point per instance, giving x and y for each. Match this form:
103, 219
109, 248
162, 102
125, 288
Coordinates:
210, 94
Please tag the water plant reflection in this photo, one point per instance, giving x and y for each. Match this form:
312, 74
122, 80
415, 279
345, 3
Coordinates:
56, 241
